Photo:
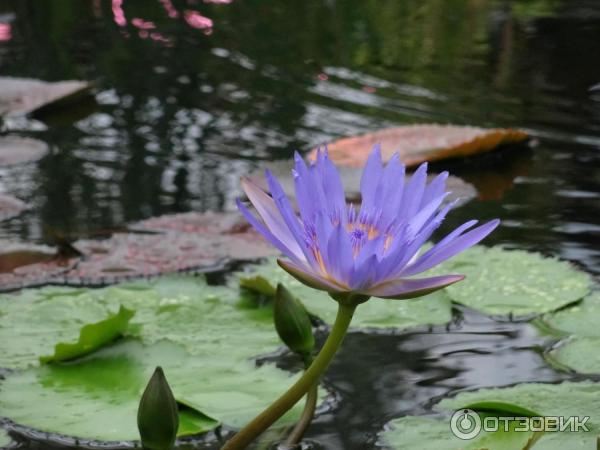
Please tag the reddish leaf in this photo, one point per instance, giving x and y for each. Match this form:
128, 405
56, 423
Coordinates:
420, 143
26, 265
19, 150
24, 95
10, 207
190, 242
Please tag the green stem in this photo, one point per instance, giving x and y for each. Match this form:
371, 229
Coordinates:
305, 419
311, 377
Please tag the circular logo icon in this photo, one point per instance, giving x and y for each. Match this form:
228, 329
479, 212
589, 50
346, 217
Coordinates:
465, 424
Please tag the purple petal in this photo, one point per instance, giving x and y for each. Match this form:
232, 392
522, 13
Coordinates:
393, 187
303, 187
258, 226
306, 276
339, 249
440, 253
422, 217
411, 288
269, 213
331, 183
435, 188
364, 274
370, 179
413, 192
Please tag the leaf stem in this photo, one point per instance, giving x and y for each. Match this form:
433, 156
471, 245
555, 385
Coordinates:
309, 379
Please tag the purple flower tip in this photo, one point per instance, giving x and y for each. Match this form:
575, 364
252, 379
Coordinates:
373, 250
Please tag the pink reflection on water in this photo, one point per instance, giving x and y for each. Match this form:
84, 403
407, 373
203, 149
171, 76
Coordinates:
219, 2
118, 13
5, 32
197, 20
323, 76
171, 11
142, 24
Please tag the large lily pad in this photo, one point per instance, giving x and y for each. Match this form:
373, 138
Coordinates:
519, 283
580, 319
127, 255
577, 353
420, 433
20, 150
459, 189
25, 95
420, 143
97, 397
10, 207
566, 400
27, 265
435, 309
203, 336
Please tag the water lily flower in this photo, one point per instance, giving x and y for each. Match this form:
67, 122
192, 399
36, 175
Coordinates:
353, 253
367, 251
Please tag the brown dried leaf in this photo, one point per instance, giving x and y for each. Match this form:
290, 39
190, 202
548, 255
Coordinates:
20, 150
25, 95
420, 143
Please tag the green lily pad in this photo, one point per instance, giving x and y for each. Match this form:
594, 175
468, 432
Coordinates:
4, 439
435, 309
420, 433
502, 282
92, 337
578, 353
98, 396
580, 319
203, 336
567, 399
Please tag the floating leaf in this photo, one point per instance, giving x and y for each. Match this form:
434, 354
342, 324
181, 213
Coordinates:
92, 337
420, 143
435, 309
203, 337
580, 354
194, 222
125, 256
420, 433
27, 265
581, 319
501, 282
97, 397
565, 400
20, 150
459, 189
34, 321
25, 95
10, 207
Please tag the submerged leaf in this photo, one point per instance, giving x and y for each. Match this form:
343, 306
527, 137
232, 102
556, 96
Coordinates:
125, 256
25, 95
92, 337
502, 282
20, 150
28, 265
4, 438
420, 143
10, 207
435, 309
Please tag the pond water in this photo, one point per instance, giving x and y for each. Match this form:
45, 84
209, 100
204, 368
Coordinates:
191, 95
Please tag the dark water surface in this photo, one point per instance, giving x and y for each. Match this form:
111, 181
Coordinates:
187, 102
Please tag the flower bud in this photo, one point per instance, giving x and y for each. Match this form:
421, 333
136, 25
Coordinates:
157, 418
292, 322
